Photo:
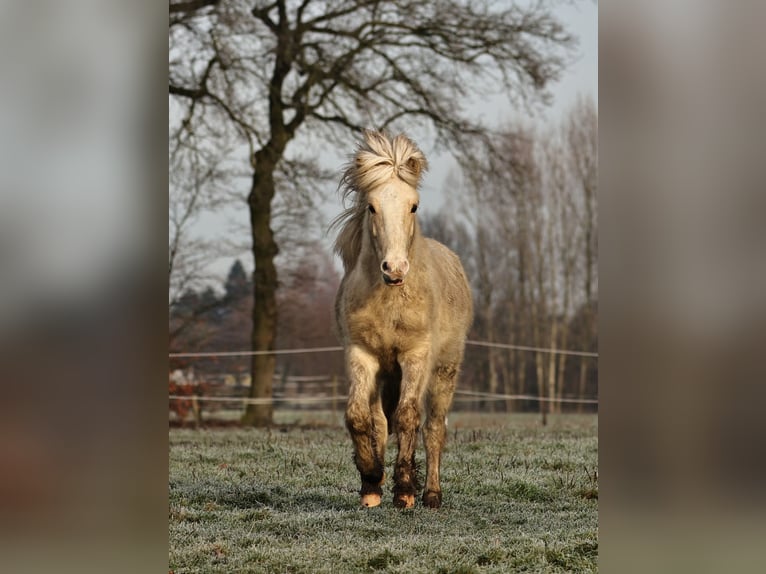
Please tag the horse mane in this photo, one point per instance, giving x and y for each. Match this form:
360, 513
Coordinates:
378, 159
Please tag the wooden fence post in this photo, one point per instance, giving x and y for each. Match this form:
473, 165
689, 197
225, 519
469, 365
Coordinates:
334, 394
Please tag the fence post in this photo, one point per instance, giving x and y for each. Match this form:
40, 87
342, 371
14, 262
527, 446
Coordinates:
334, 394
196, 410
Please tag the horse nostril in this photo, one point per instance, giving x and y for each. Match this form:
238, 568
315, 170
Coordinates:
384, 266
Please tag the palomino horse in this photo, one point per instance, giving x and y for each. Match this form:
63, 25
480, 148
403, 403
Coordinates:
403, 311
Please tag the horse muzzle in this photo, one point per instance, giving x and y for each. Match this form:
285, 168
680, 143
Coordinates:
394, 272
388, 280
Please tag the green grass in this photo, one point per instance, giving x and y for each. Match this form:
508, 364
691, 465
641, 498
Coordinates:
518, 497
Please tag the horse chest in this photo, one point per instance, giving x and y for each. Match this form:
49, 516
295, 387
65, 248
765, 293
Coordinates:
382, 327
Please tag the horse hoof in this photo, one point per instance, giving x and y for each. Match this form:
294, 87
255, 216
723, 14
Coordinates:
370, 500
432, 499
404, 500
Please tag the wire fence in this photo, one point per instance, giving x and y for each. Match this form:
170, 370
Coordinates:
472, 396
329, 391
338, 348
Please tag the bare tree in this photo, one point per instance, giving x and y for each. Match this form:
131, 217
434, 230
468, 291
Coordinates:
531, 253
197, 180
564, 253
266, 73
582, 138
307, 309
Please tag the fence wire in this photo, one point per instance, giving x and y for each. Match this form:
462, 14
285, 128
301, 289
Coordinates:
337, 349
464, 396
468, 396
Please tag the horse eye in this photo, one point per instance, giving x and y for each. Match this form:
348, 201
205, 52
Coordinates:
371, 208
414, 208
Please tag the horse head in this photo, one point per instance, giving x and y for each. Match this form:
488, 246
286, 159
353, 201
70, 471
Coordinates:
387, 172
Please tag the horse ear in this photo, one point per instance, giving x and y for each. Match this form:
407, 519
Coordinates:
416, 165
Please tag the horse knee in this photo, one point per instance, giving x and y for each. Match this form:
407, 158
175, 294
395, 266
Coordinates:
358, 419
435, 427
407, 417
447, 371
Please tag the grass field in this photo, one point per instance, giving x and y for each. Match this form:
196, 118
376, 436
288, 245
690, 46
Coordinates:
518, 497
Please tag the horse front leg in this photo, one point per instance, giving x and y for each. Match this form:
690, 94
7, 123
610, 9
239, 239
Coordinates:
406, 423
363, 423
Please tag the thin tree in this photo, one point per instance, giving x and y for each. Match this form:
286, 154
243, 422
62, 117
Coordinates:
582, 138
269, 72
195, 185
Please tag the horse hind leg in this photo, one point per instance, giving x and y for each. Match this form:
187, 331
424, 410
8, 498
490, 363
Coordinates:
406, 423
406, 485
438, 401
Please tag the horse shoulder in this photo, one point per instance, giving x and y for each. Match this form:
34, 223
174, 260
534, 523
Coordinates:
453, 294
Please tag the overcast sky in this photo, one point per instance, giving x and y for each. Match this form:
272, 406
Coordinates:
581, 78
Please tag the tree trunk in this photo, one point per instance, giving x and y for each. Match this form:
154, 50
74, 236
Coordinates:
539, 363
521, 376
509, 379
562, 360
581, 385
541, 388
485, 303
265, 285
553, 407
492, 402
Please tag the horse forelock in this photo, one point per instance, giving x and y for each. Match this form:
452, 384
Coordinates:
378, 160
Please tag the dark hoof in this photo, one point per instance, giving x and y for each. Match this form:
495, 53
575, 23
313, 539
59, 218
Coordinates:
432, 499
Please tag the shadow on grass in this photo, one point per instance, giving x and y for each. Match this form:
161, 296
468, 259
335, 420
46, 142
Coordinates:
279, 499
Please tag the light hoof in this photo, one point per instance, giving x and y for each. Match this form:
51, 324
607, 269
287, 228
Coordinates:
370, 500
404, 500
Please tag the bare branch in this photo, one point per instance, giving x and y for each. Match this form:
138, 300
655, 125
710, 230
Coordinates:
262, 14
191, 5
264, 72
193, 94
